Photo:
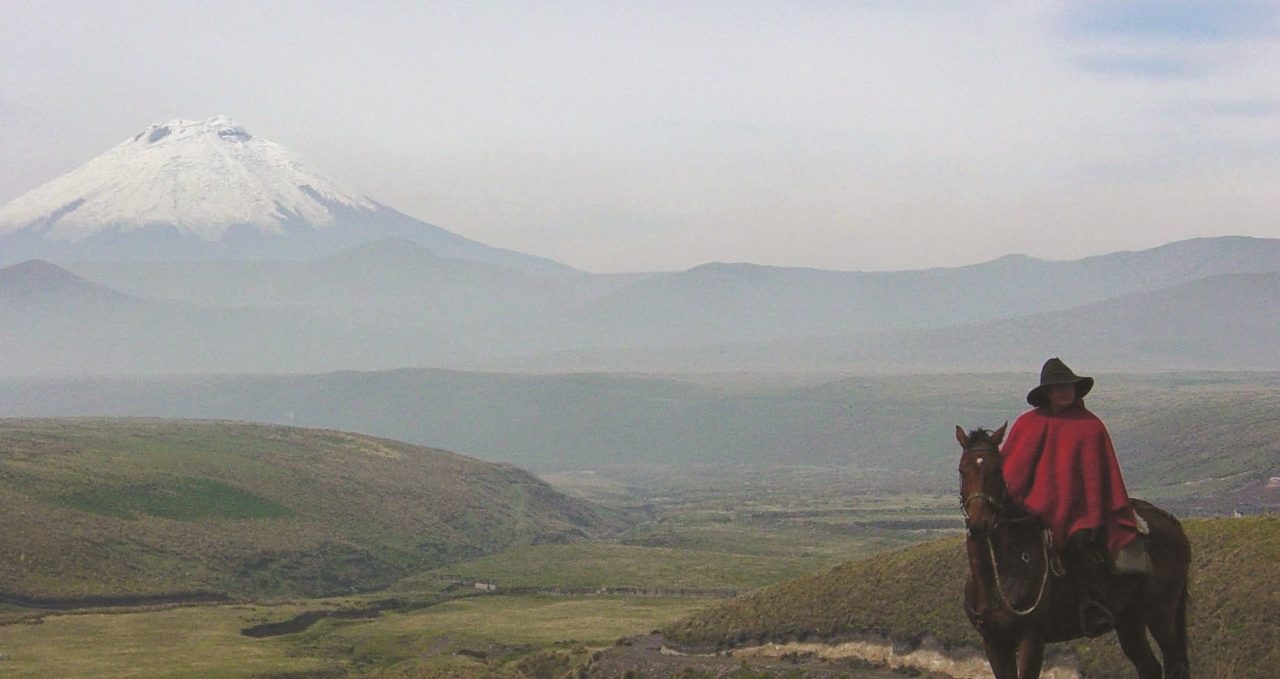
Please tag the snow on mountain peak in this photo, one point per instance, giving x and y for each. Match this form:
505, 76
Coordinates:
222, 126
200, 176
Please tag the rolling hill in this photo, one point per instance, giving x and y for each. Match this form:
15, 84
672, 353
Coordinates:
103, 509
1212, 430
917, 592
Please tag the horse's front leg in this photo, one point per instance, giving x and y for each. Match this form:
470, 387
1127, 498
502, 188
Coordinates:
1030, 656
1001, 653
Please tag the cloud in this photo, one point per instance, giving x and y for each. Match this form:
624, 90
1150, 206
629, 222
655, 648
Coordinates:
1165, 41
1165, 20
1145, 66
1245, 108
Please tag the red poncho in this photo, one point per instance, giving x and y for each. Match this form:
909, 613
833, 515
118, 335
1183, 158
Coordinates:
1061, 468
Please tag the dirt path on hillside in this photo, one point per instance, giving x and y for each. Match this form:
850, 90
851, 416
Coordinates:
644, 657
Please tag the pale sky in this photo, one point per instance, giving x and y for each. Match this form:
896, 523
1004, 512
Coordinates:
625, 136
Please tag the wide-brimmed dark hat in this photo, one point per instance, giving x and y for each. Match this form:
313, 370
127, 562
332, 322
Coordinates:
1053, 373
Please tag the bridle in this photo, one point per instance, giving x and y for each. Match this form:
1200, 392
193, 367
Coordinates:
979, 495
999, 507
994, 503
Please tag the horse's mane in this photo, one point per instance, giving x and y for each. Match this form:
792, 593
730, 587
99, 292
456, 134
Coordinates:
1016, 512
982, 436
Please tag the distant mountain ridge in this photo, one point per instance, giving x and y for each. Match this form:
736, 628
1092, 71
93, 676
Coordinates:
37, 283
209, 189
720, 303
36, 280
1201, 304
1224, 322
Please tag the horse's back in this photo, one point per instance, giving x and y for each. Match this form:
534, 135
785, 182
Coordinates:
1164, 527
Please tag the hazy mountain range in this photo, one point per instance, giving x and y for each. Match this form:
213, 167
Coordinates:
197, 247
1201, 304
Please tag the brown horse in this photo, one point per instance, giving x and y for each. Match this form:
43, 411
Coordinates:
1019, 598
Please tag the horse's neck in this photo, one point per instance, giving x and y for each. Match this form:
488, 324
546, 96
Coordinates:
982, 596
1009, 536
1003, 545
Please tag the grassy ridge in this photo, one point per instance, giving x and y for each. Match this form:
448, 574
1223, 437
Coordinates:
882, 595
128, 507
1234, 626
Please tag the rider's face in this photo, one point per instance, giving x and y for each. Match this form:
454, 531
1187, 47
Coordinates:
1061, 396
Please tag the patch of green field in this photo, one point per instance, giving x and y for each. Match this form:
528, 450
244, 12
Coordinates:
793, 514
181, 499
506, 621
495, 635
819, 548
489, 636
181, 642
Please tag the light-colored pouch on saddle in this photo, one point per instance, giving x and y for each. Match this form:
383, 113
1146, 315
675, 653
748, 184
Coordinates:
1132, 559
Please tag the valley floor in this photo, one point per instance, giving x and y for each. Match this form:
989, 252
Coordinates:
547, 611
559, 610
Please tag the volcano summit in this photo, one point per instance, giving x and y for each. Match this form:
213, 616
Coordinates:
211, 190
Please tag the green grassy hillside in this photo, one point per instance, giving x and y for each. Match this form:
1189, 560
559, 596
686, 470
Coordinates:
103, 508
1234, 624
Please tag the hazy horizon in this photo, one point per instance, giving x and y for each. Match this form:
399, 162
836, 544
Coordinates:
619, 137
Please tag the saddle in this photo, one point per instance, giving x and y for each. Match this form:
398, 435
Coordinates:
1133, 559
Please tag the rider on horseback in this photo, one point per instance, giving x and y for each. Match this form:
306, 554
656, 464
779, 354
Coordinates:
1059, 464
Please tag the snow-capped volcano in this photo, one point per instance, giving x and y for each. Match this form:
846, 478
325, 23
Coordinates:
200, 176
209, 189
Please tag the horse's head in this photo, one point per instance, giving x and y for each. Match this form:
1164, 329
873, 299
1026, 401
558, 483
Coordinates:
982, 491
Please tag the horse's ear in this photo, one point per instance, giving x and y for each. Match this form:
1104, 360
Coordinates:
998, 435
961, 437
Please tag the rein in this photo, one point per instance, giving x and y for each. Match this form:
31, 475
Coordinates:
1044, 578
998, 506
